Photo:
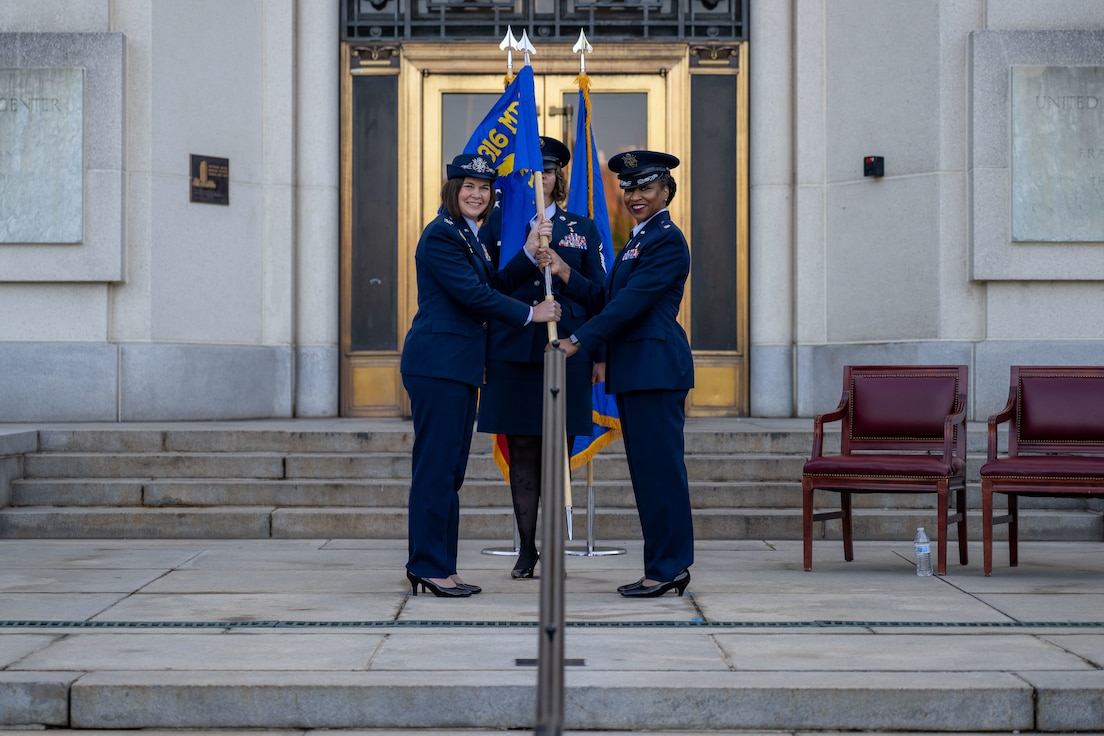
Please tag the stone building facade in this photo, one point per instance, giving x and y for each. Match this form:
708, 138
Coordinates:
166, 308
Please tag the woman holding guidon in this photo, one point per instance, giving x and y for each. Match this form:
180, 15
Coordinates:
443, 362
649, 365
512, 401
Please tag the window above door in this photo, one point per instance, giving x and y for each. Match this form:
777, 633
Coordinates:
546, 20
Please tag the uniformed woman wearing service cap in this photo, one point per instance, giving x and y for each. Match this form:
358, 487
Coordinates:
443, 361
512, 402
648, 363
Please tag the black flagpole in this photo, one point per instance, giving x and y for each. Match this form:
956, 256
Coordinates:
550, 648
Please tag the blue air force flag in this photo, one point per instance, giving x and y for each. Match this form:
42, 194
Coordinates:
508, 137
588, 195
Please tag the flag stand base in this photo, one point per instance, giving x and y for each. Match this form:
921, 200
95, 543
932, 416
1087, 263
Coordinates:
594, 551
506, 551
590, 550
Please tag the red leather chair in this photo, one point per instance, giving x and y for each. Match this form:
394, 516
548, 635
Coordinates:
902, 430
1055, 417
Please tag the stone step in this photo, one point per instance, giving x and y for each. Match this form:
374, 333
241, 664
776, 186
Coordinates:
380, 465
364, 493
607, 465
223, 482
702, 436
205, 492
720, 701
260, 522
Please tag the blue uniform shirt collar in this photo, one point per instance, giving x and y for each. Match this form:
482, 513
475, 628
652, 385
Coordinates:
636, 230
549, 213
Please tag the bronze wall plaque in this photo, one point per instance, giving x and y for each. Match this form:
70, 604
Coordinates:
210, 180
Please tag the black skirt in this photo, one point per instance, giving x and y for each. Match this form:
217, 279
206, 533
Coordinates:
512, 400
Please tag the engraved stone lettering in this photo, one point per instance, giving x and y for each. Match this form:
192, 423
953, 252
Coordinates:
1057, 154
41, 155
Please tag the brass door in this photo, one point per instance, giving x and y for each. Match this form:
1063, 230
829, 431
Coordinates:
441, 94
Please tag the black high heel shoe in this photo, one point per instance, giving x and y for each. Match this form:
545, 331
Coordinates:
468, 586
524, 573
437, 590
654, 591
630, 586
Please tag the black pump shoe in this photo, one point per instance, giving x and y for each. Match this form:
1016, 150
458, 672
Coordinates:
630, 586
437, 590
524, 573
654, 591
468, 586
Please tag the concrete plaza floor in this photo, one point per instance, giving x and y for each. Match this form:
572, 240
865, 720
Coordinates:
293, 635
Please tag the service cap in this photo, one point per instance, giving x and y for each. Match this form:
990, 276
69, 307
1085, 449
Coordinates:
637, 168
473, 165
554, 152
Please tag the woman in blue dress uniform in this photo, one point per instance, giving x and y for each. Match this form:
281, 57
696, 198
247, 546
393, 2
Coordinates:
511, 403
443, 362
648, 363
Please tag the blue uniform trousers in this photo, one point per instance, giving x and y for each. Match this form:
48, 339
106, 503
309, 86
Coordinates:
444, 416
652, 424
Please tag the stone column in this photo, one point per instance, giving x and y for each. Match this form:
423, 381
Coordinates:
317, 207
771, 185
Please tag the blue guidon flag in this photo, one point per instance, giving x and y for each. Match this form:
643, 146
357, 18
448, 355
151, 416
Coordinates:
508, 137
588, 195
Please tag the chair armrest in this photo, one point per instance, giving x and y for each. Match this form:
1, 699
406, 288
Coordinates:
821, 419
955, 443
998, 419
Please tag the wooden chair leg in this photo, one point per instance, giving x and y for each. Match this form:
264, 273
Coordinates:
987, 527
960, 508
807, 522
941, 530
845, 507
1013, 530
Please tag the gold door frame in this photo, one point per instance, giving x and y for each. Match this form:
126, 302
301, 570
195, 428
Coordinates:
370, 383
721, 385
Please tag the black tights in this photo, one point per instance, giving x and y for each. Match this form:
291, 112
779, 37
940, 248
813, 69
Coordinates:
525, 488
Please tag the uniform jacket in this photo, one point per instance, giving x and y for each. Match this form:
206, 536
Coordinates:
576, 240
646, 347
458, 293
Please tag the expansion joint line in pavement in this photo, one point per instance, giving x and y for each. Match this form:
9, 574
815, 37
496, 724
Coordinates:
694, 624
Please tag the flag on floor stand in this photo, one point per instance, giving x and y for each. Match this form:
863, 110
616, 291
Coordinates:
508, 136
606, 427
588, 197
501, 455
587, 194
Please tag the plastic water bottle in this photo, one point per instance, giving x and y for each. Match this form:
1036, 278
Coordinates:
923, 553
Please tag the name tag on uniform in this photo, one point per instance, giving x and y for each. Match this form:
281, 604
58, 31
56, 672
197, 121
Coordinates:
573, 240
